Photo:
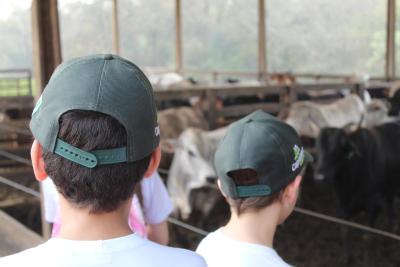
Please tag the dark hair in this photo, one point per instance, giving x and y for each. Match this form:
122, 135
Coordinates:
103, 188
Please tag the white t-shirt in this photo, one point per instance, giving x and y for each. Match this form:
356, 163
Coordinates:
220, 250
130, 250
156, 208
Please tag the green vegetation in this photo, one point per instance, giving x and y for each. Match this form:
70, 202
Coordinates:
303, 36
15, 87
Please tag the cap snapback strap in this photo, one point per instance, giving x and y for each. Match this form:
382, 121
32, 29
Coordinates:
253, 190
90, 159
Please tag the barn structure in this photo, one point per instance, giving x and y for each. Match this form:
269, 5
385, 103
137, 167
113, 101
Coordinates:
282, 89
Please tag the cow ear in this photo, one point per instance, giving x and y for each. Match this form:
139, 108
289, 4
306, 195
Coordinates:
169, 145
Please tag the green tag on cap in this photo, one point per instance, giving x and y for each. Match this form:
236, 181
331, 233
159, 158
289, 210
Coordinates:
253, 190
90, 159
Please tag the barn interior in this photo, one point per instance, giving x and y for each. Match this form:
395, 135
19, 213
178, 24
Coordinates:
224, 59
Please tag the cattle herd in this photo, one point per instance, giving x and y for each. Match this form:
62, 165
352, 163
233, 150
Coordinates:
355, 144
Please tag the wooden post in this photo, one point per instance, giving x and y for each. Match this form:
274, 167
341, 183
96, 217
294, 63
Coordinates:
359, 89
46, 41
212, 109
30, 83
46, 55
215, 76
178, 37
292, 95
262, 60
115, 28
390, 70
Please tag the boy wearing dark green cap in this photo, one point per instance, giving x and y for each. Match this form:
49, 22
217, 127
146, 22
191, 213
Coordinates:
258, 163
96, 134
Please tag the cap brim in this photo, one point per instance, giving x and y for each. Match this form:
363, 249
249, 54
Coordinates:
308, 157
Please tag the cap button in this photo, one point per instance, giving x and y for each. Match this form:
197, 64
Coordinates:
108, 57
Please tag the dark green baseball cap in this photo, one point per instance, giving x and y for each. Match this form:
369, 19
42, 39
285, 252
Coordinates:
262, 143
104, 83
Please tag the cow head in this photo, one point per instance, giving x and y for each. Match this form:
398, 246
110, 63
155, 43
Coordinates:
334, 148
192, 166
375, 112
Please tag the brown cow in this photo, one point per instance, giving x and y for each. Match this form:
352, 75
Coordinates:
172, 123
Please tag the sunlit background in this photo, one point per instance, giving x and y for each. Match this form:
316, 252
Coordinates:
307, 36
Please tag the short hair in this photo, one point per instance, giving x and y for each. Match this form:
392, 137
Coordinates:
249, 177
244, 204
105, 187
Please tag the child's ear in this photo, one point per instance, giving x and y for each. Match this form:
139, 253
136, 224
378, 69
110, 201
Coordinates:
37, 161
291, 191
154, 162
220, 188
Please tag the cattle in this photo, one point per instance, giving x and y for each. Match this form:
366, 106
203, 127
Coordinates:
376, 112
192, 166
172, 123
308, 118
285, 79
364, 166
169, 80
4, 117
395, 104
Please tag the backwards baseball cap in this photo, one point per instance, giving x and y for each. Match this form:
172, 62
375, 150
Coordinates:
262, 143
104, 83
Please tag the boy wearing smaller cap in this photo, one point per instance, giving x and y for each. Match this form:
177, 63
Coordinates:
258, 163
96, 135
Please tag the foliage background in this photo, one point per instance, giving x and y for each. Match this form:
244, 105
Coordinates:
317, 36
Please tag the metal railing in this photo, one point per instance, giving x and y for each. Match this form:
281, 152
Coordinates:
195, 229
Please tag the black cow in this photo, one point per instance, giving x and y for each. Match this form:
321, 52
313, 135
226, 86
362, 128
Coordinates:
395, 104
364, 166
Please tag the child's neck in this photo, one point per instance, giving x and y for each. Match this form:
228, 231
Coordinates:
257, 227
78, 224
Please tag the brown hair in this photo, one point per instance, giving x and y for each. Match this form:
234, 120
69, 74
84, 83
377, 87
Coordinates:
103, 188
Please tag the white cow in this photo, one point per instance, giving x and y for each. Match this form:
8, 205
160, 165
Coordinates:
192, 165
173, 122
168, 80
376, 112
308, 118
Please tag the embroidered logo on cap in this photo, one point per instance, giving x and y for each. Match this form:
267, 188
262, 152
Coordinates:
157, 131
298, 157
